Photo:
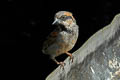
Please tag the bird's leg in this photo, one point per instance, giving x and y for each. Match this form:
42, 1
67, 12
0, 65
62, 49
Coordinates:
62, 64
71, 56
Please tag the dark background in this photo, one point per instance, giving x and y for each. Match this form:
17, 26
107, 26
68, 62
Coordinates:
25, 25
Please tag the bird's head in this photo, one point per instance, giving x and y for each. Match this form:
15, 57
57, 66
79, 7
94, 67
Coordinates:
64, 18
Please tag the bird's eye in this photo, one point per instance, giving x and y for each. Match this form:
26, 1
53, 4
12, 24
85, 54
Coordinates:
62, 17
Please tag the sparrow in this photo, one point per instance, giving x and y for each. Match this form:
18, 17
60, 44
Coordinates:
63, 38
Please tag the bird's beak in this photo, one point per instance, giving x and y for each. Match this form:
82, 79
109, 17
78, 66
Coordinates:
56, 20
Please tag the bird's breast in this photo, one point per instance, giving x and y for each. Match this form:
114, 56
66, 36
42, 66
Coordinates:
67, 40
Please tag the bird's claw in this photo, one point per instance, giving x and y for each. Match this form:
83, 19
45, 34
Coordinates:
71, 59
62, 64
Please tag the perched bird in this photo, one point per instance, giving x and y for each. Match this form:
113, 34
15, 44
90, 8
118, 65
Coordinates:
63, 38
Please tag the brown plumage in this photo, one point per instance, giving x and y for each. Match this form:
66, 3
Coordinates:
63, 38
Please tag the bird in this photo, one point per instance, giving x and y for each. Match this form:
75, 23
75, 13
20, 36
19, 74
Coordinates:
63, 38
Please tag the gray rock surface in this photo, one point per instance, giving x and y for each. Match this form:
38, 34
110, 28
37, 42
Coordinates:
97, 59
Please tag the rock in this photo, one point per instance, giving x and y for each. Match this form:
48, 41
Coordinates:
97, 59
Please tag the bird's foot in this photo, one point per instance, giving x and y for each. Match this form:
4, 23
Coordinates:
62, 64
71, 58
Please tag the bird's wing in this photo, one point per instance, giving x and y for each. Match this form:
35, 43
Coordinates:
51, 39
